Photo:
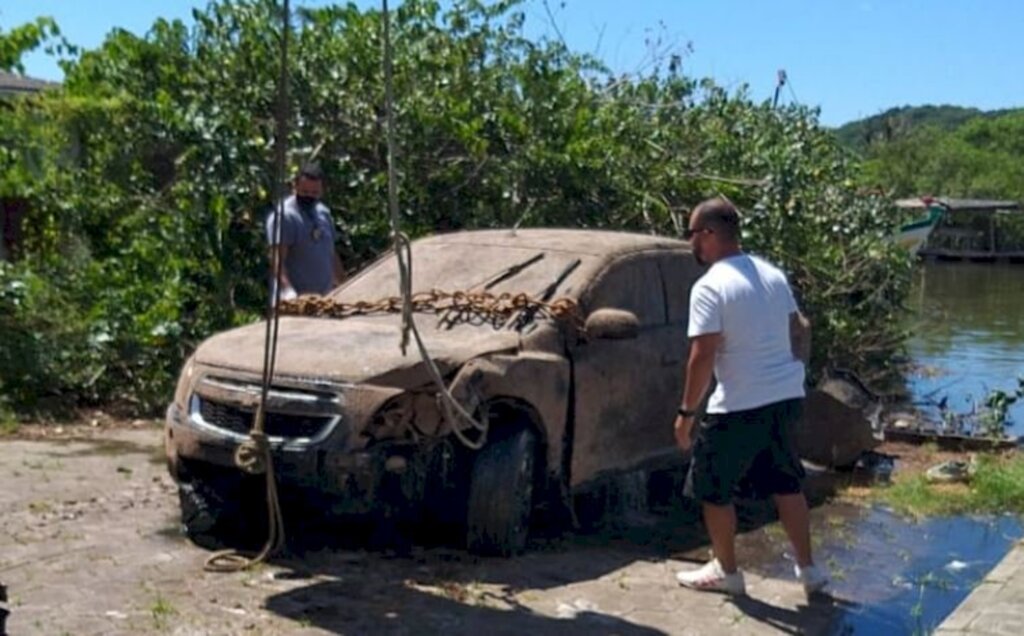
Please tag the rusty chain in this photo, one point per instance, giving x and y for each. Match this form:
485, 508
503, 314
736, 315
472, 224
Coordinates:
458, 306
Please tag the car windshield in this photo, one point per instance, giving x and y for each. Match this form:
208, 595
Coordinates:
465, 267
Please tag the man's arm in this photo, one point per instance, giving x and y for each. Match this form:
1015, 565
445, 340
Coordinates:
699, 368
280, 240
800, 337
339, 270
281, 252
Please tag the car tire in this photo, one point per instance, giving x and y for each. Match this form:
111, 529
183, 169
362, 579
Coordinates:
501, 495
200, 516
213, 519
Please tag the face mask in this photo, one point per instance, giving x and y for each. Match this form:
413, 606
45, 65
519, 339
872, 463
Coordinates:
305, 202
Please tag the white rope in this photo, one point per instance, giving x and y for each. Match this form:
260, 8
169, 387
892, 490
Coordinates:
455, 413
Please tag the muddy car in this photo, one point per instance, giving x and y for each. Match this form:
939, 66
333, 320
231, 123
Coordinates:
357, 429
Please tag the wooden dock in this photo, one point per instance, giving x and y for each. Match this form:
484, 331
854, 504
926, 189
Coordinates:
971, 256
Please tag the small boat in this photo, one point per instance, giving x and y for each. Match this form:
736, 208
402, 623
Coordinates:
914, 234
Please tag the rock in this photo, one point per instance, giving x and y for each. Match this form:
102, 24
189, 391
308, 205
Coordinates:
834, 430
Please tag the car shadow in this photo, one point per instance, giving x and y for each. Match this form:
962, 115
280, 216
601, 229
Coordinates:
338, 584
393, 605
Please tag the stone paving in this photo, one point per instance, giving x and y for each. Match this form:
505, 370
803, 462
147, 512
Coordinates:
996, 606
88, 545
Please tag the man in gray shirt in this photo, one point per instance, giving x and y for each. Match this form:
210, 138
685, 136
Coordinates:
310, 264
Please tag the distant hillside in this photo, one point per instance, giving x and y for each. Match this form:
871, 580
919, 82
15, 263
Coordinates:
896, 123
942, 150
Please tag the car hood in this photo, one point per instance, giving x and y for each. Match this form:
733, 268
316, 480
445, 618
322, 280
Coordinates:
360, 349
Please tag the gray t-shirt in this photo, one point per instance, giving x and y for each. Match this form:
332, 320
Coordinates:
309, 236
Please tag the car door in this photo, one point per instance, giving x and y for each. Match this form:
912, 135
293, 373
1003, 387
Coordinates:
627, 391
679, 271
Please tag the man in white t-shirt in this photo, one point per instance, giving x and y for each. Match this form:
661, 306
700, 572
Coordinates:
746, 330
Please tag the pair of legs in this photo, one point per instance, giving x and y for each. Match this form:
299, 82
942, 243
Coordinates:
721, 524
755, 446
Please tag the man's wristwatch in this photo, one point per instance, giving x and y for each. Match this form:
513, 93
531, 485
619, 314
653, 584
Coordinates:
686, 413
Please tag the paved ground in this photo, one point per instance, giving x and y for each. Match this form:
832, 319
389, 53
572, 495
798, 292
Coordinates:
996, 606
89, 544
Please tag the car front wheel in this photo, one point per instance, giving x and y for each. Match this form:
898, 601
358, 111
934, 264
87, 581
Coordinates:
501, 495
213, 516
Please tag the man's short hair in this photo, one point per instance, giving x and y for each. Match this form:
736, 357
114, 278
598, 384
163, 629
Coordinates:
311, 170
720, 215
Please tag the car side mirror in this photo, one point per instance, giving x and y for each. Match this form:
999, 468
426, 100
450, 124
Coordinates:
612, 324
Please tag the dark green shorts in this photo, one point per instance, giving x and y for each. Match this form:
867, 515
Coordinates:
747, 452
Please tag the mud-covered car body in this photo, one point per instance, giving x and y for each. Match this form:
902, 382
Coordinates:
357, 425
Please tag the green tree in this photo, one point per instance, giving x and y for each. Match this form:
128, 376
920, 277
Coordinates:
156, 172
23, 39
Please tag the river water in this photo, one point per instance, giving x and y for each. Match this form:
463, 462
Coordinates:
968, 340
968, 335
897, 576
894, 576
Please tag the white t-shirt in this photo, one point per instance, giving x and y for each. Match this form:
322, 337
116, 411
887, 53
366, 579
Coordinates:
749, 302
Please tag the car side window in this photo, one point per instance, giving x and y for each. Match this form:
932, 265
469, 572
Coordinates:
680, 271
633, 284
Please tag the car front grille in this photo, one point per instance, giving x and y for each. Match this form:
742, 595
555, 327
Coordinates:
236, 420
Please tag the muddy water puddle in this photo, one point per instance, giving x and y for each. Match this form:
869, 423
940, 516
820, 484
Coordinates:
890, 574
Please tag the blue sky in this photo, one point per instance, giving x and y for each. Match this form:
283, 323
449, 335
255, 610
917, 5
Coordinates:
852, 58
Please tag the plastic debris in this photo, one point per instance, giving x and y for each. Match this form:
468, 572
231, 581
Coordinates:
951, 472
956, 566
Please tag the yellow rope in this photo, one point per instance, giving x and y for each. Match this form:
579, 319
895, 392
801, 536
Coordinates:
254, 455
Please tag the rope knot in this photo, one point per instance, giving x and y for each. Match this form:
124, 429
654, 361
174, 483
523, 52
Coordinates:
251, 455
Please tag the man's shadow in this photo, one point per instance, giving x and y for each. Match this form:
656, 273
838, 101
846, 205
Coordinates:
821, 615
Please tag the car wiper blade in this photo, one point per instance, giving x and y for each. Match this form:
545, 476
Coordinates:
513, 270
549, 291
526, 316
447, 320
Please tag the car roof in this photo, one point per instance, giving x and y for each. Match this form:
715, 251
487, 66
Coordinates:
599, 243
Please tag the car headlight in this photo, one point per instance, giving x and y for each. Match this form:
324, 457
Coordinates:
405, 416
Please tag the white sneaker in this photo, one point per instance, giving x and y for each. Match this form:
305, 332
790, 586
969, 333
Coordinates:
712, 578
812, 577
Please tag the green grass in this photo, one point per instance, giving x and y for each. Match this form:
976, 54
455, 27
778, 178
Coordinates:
8, 423
998, 486
835, 569
40, 507
162, 611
